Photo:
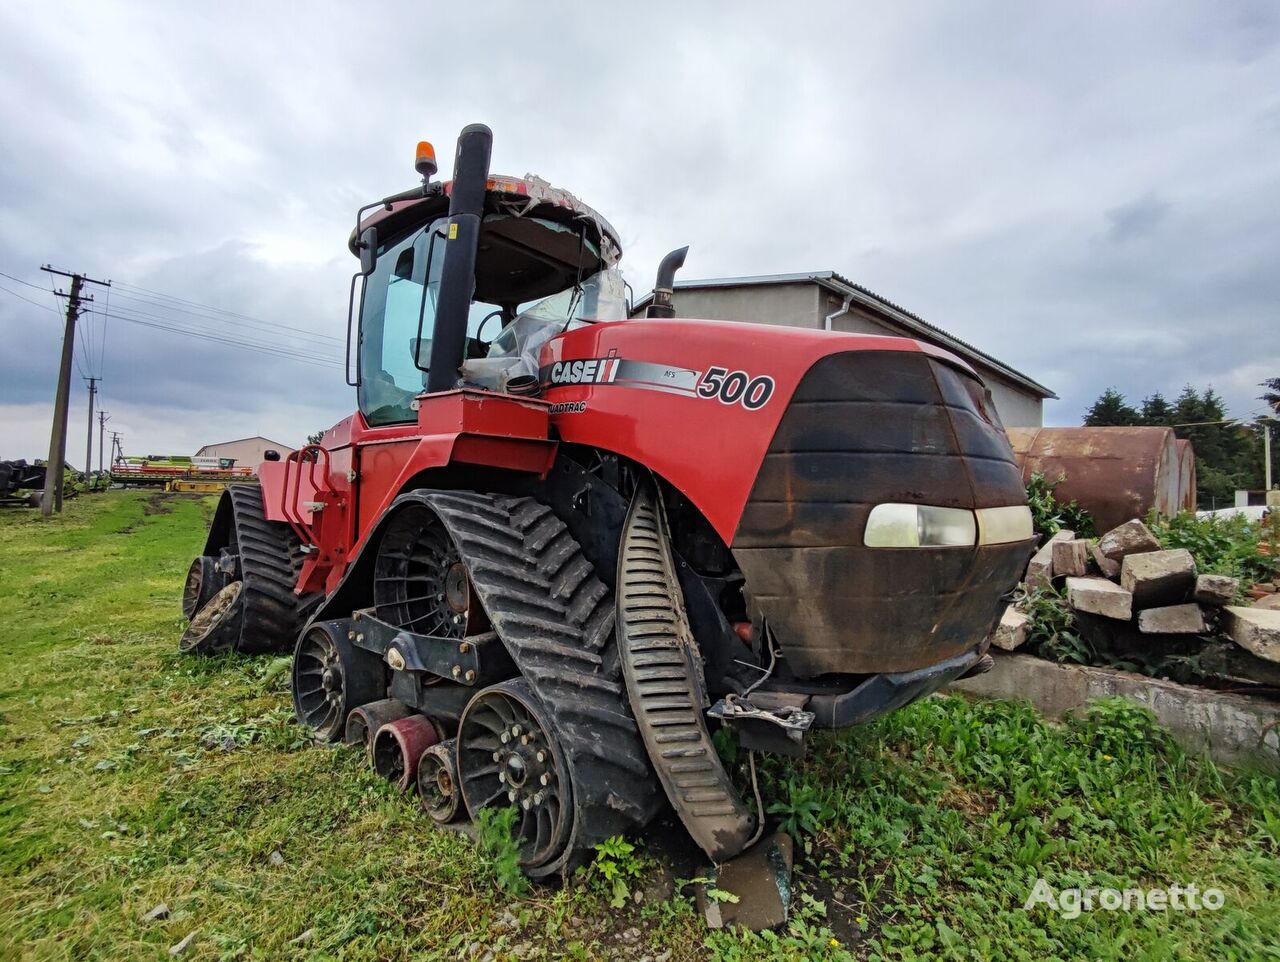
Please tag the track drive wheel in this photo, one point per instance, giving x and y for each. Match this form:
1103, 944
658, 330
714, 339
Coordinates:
267, 558
331, 677
215, 627
203, 582
508, 755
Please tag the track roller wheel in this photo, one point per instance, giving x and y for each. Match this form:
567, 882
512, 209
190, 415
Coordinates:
363, 722
438, 782
203, 582
215, 627
397, 747
332, 677
507, 755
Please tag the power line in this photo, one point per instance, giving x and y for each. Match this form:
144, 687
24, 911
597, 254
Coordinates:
140, 312
304, 350
255, 346
206, 308
43, 307
243, 345
39, 287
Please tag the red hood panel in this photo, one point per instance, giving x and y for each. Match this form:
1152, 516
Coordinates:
696, 401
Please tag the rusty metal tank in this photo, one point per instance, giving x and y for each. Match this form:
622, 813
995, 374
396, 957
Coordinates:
1114, 473
1186, 475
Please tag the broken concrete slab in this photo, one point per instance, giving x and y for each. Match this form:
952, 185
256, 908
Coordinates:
1216, 590
1132, 537
1011, 632
1230, 662
1158, 578
1230, 728
1172, 620
1071, 558
760, 878
1256, 630
1040, 568
1109, 567
1098, 596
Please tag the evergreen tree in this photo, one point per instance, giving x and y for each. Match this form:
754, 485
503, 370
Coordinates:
1271, 394
1156, 411
1111, 409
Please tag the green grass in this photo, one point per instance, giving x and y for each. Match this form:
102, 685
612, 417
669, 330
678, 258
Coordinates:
130, 776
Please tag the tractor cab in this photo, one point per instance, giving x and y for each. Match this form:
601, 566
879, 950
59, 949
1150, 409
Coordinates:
461, 287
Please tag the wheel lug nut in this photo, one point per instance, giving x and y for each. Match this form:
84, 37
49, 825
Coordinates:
537, 799
511, 795
504, 738
541, 756
515, 730
524, 739
546, 778
502, 777
497, 756
525, 803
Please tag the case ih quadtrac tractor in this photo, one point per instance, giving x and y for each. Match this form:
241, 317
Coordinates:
556, 547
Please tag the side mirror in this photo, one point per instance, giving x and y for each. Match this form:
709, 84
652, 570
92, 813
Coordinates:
368, 250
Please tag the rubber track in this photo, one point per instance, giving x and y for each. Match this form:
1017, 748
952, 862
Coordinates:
270, 559
659, 658
556, 618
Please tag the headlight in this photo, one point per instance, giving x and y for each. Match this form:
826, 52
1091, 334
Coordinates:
919, 526
1002, 525
926, 526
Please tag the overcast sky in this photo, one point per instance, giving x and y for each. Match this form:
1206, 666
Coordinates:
1087, 191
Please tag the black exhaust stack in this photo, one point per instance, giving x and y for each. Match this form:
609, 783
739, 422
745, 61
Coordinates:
458, 275
664, 286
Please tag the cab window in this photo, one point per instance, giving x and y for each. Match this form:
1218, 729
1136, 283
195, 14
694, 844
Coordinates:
393, 354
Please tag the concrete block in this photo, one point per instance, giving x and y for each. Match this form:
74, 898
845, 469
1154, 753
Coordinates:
1172, 620
1071, 558
1040, 569
1132, 537
1230, 728
1158, 578
1216, 590
1256, 630
1011, 633
1230, 662
1098, 596
1109, 567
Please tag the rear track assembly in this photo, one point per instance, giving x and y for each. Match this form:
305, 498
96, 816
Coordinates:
555, 617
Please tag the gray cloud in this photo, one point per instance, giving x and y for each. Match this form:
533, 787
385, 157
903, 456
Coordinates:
1138, 218
1085, 192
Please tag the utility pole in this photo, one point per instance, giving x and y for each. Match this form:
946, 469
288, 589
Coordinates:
117, 448
88, 448
51, 498
103, 418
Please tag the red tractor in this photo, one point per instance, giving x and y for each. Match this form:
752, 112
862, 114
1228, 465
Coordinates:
557, 546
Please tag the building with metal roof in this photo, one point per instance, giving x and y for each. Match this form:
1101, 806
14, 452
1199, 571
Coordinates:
825, 299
